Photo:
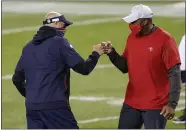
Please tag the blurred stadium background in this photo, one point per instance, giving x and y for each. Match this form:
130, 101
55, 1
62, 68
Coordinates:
95, 99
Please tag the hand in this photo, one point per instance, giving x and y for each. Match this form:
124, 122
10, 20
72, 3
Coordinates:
107, 47
98, 48
168, 112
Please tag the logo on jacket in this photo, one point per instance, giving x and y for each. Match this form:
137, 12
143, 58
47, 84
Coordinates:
71, 46
150, 49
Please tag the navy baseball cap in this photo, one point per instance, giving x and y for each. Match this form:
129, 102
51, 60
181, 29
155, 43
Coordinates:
57, 19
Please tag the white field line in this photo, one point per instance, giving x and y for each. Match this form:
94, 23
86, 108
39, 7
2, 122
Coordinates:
182, 94
90, 98
119, 102
98, 119
114, 101
86, 22
177, 9
180, 108
85, 98
9, 76
109, 118
110, 100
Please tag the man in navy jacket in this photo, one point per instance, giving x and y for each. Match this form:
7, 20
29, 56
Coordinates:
42, 75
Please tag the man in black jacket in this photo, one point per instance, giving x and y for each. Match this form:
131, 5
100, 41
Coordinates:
42, 75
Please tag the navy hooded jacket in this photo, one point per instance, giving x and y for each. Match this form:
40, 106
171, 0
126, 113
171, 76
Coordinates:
42, 73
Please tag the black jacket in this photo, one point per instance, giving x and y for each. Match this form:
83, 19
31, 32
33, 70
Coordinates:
42, 74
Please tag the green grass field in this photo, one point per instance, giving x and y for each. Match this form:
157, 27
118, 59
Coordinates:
107, 82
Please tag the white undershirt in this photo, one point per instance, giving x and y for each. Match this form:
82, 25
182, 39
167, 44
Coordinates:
182, 52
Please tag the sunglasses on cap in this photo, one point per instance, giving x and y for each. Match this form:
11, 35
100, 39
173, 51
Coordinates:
57, 19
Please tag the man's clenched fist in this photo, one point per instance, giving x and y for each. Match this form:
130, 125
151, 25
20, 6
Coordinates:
103, 48
107, 47
98, 48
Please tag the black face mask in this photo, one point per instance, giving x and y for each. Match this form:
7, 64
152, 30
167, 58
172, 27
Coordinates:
60, 32
62, 29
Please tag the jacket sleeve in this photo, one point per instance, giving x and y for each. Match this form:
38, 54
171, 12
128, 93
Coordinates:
119, 61
174, 74
85, 67
75, 61
18, 78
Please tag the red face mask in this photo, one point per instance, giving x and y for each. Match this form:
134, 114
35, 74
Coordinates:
135, 28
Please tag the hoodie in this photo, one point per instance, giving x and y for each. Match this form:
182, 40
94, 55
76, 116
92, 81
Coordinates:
44, 33
42, 74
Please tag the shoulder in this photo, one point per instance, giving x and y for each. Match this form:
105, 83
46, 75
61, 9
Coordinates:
59, 40
182, 43
130, 38
165, 34
183, 39
62, 42
166, 38
27, 46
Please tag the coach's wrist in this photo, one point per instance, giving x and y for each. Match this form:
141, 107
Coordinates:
172, 104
